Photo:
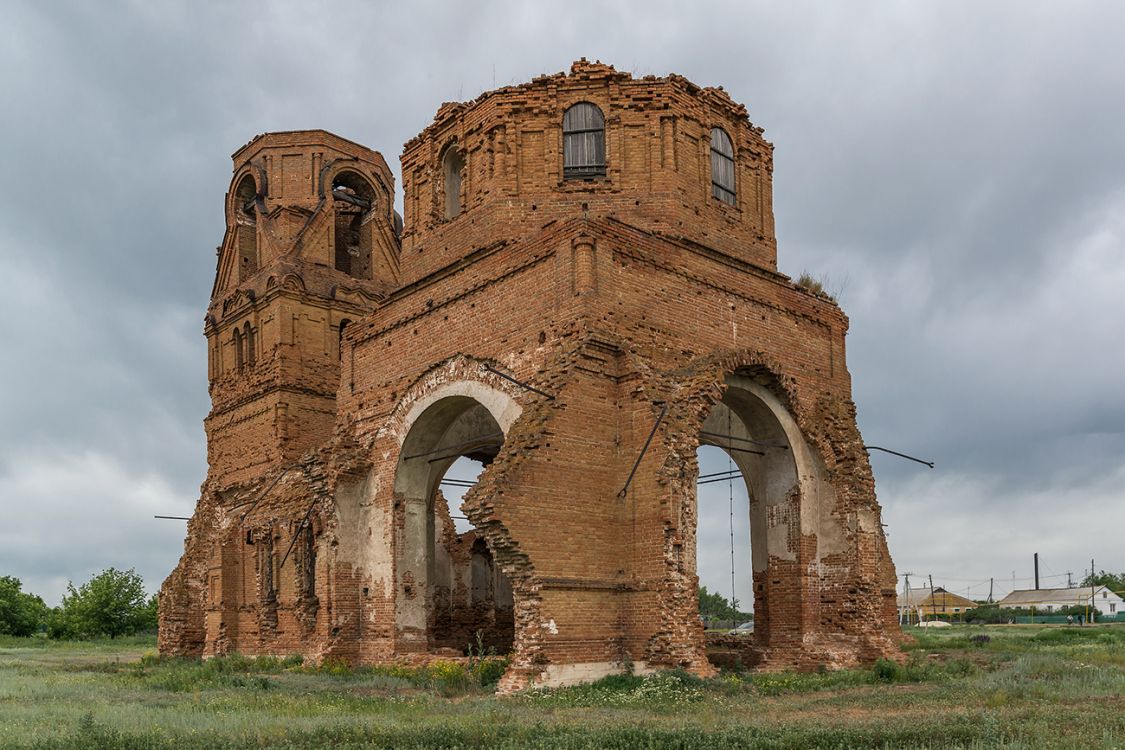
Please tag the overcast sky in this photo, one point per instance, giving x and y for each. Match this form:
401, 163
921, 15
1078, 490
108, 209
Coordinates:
954, 170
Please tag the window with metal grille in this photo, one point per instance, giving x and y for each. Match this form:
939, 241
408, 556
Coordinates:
722, 166
583, 142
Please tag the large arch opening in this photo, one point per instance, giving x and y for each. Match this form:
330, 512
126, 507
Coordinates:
749, 455
453, 596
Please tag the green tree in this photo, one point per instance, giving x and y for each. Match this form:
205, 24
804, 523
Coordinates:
1113, 581
111, 603
21, 613
715, 606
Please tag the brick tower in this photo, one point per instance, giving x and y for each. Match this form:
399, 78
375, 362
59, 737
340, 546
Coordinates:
587, 291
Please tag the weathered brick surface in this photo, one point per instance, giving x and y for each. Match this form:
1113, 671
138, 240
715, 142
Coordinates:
627, 300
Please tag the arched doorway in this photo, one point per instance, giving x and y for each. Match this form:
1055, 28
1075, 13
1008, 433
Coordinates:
451, 593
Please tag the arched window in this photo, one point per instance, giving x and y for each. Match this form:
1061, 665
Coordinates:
353, 198
248, 337
583, 142
246, 227
722, 166
237, 341
451, 166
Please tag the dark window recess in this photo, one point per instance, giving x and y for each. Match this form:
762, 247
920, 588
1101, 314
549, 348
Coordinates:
353, 199
722, 167
583, 142
246, 229
248, 339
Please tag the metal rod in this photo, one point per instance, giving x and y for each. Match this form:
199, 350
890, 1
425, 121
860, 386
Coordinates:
900, 455
744, 440
520, 383
718, 479
457, 483
718, 474
296, 534
493, 436
740, 450
174, 518
263, 493
637, 463
459, 453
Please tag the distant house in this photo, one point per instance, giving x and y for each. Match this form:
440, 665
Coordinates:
1049, 600
935, 602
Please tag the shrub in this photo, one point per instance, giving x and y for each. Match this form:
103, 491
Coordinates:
887, 670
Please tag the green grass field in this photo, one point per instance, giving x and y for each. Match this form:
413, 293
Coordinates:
1026, 687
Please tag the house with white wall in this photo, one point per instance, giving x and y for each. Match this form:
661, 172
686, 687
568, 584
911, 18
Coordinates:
1045, 601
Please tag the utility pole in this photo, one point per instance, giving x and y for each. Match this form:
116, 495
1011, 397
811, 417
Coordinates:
931, 593
1092, 610
1069, 582
906, 598
1036, 571
991, 581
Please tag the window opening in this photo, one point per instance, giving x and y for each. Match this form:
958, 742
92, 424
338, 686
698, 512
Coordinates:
340, 341
452, 165
722, 167
583, 142
246, 227
352, 198
248, 338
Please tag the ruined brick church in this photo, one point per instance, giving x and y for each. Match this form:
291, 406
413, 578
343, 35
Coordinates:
583, 289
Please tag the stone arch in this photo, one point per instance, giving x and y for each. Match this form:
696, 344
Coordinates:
790, 493
459, 418
786, 481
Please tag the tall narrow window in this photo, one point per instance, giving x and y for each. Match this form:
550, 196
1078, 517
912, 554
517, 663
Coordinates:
248, 337
237, 341
583, 142
246, 227
451, 166
722, 166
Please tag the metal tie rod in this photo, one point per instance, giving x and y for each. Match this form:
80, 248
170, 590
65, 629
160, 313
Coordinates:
457, 483
719, 474
520, 383
744, 440
467, 443
174, 518
718, 479
651, 435
900, 455
740, 450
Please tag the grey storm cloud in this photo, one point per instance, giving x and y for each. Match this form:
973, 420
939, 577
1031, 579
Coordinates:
953, 170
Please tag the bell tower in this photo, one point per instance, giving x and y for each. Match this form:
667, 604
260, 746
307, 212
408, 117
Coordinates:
311, 244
